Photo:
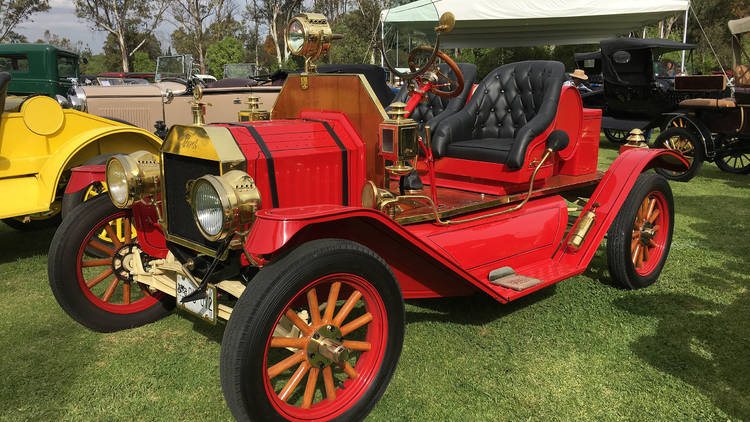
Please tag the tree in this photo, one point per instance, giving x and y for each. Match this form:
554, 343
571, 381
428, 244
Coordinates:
13, 12
112, 52
228, 50
120, 17
142, 62
192, 19
275, 14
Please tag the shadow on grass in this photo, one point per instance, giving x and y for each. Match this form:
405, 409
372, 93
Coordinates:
15, 244
711, 171
477, 309
699, 341
213, 333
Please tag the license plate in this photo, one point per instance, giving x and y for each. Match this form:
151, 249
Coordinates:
205, 307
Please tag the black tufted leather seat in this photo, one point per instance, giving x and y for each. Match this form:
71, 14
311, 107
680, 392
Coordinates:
438, 108
514, 104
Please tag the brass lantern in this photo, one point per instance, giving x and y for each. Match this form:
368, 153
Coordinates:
398, 140
309, 35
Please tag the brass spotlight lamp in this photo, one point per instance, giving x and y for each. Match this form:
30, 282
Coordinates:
309, 35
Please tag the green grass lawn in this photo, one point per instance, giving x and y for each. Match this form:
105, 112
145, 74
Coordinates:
580, 350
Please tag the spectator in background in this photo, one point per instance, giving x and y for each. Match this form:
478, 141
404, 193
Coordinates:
578, 79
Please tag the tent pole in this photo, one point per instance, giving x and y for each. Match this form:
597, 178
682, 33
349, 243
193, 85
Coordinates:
684, 38
382, 42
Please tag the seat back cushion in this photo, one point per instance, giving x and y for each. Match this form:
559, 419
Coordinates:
437, 108
516, 100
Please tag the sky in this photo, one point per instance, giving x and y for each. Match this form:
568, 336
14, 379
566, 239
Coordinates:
61, 19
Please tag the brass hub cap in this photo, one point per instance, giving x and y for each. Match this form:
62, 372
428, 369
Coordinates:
325, 347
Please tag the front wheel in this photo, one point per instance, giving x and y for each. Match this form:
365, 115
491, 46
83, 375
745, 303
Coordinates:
617, 136
734, 155
316, 336
96, 290
687, 143
639, 239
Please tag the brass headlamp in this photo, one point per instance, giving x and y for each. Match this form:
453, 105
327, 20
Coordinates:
223, 204
132, 177
253, 112
398, 140
310, 36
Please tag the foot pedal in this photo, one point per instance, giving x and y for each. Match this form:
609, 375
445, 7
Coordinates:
506, 277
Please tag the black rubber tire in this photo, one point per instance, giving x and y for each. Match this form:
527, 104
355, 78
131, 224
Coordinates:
619, 236
616, 136
33, 225
243, 345
61, 270
727, 153
697, 154
74, 199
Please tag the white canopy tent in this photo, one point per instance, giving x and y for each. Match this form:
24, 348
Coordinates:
517, 23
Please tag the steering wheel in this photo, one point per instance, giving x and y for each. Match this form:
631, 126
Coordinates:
459, 82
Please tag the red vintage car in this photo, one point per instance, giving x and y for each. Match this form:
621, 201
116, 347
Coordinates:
307, 231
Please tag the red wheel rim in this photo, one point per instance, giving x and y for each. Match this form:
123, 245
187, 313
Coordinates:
96, 276
650, 230
329, 391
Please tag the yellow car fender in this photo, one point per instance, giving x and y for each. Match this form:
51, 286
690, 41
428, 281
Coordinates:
91, 143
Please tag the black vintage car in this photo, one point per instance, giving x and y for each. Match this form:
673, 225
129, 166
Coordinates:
638, 84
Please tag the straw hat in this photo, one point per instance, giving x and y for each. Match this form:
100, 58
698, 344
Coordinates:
579, 74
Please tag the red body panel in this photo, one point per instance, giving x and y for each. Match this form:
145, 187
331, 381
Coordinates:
527, 240
82, 176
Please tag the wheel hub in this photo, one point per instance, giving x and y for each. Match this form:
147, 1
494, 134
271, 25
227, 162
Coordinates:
325, 347
123, 261
647, 233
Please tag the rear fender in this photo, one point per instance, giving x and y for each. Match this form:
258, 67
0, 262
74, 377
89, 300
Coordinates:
420, 270
698, 127
610, 195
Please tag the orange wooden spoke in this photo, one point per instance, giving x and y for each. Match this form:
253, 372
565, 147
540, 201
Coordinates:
633, 244
110, 289
112, 236
636, 234
286, 364
102, 248
639, 262
650, 210
653, 216
96, 262
348, 306
361, 346
328, 381
362, 320
350, 372
294, 342
333, 296
312, 302
96, 280
312, 379
126, 293
642, 210
294, 381
656, 228
636, 253
645, 255
296, 320
144, 289
652, 243
128, 234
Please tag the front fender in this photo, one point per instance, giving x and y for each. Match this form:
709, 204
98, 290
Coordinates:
611, 193
102, 140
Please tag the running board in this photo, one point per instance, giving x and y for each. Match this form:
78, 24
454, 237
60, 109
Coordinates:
506, 277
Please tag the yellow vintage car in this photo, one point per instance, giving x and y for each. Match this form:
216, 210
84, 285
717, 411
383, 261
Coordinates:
40, 142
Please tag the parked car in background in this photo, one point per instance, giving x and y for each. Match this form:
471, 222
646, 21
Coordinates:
165, 101
40, 142
39, 69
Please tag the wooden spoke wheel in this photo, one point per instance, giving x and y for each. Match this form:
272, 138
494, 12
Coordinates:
617, 136
734, 155
638, 240
99, 291
687, 143
332, 318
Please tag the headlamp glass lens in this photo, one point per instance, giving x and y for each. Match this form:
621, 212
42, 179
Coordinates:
296, 36
117, 182
208, 208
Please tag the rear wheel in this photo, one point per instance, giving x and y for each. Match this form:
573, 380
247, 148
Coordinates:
97, 291
318, 336
687, 143
617, 136
639, 239
734, 155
